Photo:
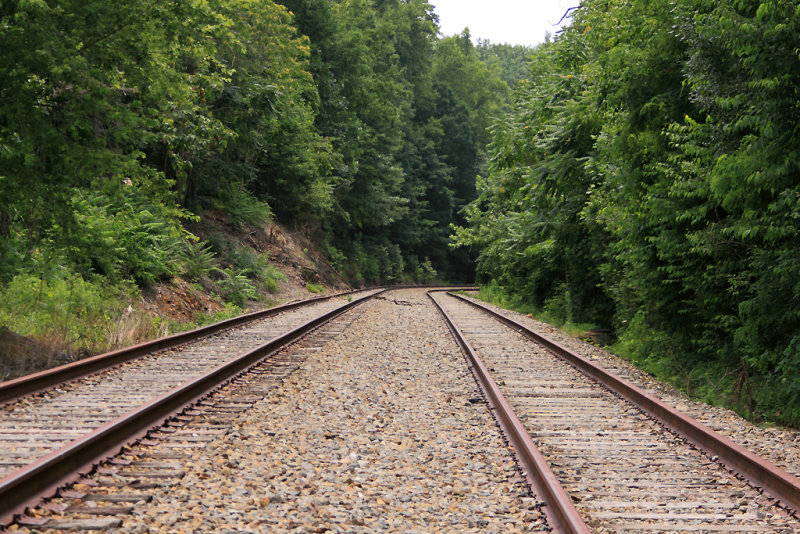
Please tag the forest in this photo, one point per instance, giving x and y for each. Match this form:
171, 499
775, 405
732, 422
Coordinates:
636, 172
647, 180
353, 122
352, 118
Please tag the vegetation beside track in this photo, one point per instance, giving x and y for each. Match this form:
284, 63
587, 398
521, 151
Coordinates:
128, 129
710, 382
51, 320
643, 177
645, 180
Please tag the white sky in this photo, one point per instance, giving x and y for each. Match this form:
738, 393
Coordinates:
517, 22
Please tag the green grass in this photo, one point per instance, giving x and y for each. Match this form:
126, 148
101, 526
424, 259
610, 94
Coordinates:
271, 277
315, 288
67, 314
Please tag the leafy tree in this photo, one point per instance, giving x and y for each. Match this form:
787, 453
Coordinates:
653, 151
362, 105
511, 61
527, 218
401, 175
88, 86
473, 83
739, 166
175, 102
270, 104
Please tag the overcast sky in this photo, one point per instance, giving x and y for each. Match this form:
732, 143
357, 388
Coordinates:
519, 22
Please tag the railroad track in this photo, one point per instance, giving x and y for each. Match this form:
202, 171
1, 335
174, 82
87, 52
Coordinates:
605, 464
100, 500
60, 422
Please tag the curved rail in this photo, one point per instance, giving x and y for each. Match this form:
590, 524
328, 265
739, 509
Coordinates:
759, 472
26, 385
28, 486
560, 511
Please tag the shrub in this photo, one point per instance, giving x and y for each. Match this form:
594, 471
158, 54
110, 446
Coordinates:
424, 272
65, 312
196, 260
243, 209
250, 263
121, 237
271, 276
235, 287
315, 288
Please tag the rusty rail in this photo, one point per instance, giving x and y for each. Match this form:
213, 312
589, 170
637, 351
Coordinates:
759, 472
561, 513
28, 486
26, 385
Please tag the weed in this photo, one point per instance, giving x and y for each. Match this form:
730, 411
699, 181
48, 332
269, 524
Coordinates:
196, 260
63, 312
202, 319
256, 267
220, 244
271, 277
315, 288
235, 287
67, 315
134, 326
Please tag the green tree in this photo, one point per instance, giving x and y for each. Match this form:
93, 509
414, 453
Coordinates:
88, 88
269, 104
738, 170
400, 176
474, 84
528, 215
511, 61
653, 151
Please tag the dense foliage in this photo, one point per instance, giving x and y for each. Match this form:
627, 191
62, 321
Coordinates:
122, 122
511, 61
646, 179
406, 112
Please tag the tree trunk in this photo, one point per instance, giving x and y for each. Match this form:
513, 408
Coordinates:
5, 223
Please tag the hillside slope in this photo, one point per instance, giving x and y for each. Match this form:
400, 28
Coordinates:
294, 269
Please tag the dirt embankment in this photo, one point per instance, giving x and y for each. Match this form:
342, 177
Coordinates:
292, 252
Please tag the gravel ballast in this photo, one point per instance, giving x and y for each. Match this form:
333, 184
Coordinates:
382, 429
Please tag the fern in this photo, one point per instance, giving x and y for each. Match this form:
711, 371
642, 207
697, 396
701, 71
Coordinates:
236, 287
196, 260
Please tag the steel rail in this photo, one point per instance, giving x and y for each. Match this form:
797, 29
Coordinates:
33, 383
561, 513
761, 473
30, 485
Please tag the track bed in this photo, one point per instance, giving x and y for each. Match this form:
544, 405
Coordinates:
624, 471
371, 422
35, 425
